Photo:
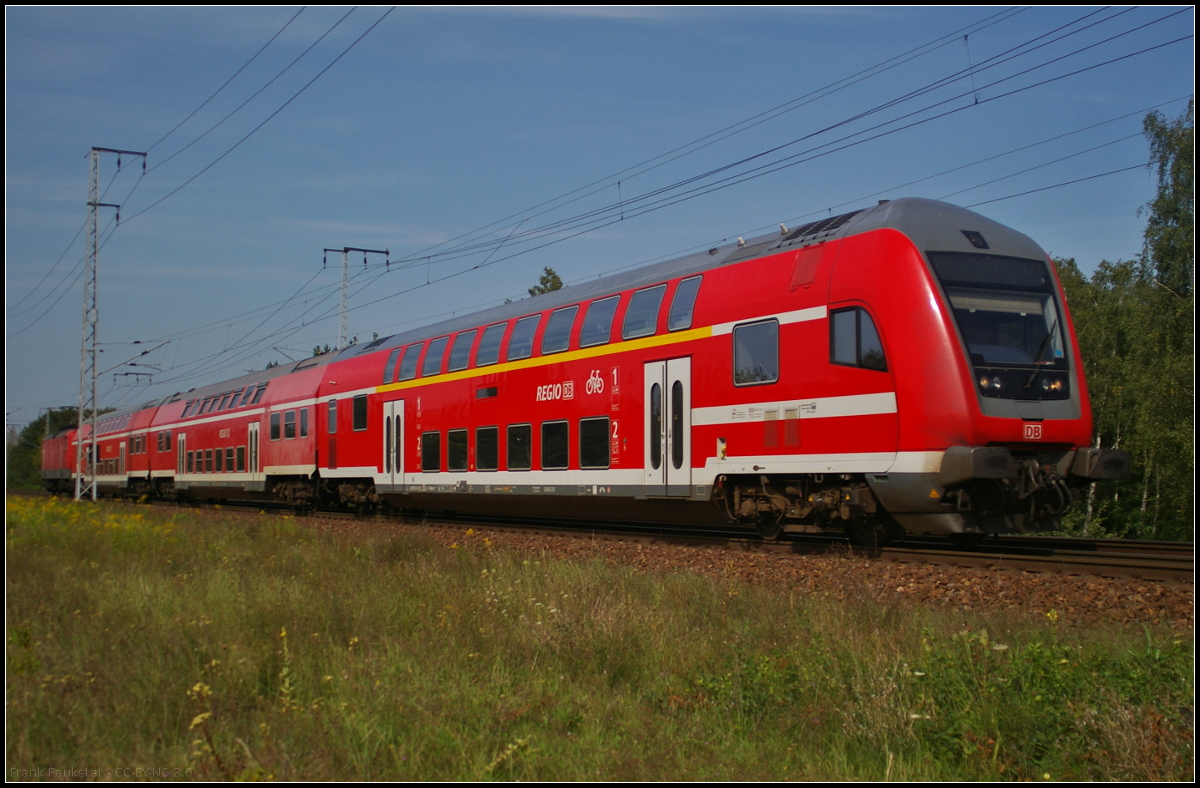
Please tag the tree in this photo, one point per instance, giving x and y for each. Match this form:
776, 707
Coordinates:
549, 282
1136, 326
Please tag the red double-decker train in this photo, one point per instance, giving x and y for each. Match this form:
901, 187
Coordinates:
910, 367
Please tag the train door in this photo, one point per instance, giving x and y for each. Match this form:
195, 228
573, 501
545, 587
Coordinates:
121, 458
393, 446
252, 462
667, 425
180, 454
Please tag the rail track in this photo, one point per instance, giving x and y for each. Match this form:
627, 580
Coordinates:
1145, 559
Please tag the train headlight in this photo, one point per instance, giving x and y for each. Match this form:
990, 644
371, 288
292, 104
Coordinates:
989, 382
1052, 384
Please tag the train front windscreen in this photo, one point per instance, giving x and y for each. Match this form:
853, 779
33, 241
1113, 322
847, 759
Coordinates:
1007, 313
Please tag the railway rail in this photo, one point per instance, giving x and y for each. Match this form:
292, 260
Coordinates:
1145, 559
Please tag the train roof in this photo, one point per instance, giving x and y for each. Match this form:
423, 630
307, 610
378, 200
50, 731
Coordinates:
931, 224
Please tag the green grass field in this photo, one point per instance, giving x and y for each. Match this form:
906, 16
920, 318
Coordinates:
225, 646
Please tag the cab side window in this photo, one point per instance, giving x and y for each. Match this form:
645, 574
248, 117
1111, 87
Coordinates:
854, 341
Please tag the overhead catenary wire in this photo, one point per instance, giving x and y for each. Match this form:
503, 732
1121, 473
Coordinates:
204, 103
459, 273
653, 199
496, 247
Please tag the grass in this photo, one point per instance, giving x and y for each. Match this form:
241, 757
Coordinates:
242, 646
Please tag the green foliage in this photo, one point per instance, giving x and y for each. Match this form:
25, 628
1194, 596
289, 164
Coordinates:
241, 646
24, 449
320, 351
547, 283
1136, 326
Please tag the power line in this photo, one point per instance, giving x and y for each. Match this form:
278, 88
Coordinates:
204, 103
237, 144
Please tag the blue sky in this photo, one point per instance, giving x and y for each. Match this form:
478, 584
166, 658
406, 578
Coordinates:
444, 122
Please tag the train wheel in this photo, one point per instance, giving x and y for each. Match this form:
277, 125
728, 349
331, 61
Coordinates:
769, 527
870, 532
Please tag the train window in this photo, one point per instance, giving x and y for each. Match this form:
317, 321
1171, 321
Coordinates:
258, 393
555, 449
208, 461
460, 354
520, 344
433, 357
597, 323
456, 450
274, 426
431, 452
245, 400
304, 422
408, 364
489, 345
229, 459
191, 456
160, 441
219, 464
332, 417
641, 318
756, 353
854, 341
680, 316
167, 441
520, 447
487, 448
225, 401
677, 427
289, 425
360, 413
593, 443
389, 366
241, 458
558, 331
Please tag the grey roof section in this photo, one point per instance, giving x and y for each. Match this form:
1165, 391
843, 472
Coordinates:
938, 227
931, 224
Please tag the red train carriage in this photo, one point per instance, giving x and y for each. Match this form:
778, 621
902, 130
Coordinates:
908, 367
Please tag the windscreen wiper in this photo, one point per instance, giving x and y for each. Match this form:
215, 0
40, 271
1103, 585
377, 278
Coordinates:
1037, 361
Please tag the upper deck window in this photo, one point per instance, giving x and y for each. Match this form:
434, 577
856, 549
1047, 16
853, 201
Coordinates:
460, 354
433, 357
641, 318
682, 304
520, 344
597, 323
558, 331
408, 364
489, 345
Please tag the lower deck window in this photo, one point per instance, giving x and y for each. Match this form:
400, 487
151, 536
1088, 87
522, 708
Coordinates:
431, 452
487, 449
593, 443
456, 446
520, 447
555, 449
756, 353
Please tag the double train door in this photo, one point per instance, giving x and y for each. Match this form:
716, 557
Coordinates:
667, 425
252, 462
393, 446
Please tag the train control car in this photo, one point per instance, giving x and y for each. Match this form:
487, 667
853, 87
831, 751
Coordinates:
910, 367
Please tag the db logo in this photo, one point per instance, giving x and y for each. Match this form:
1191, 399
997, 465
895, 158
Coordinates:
1033, 432
595, 383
